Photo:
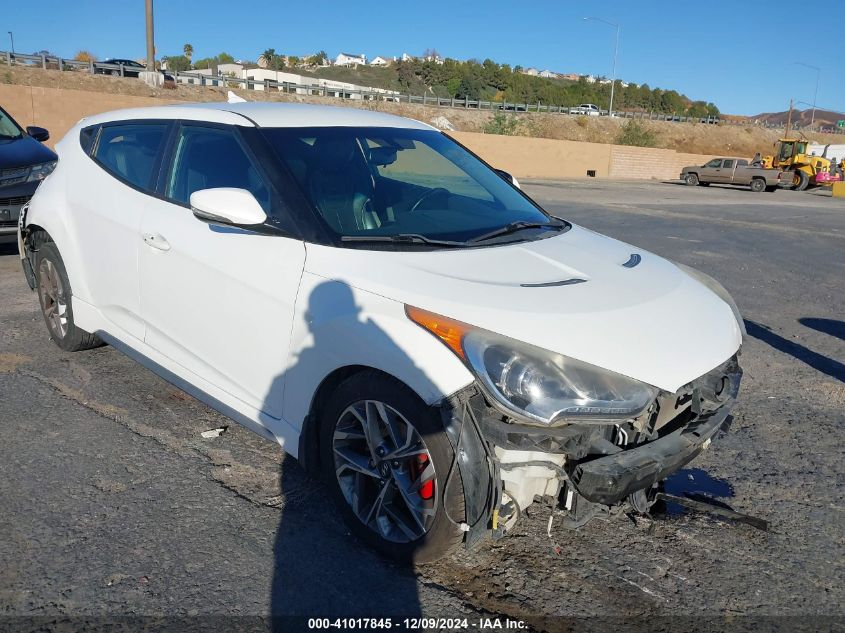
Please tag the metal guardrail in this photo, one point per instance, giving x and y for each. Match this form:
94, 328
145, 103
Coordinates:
322, 90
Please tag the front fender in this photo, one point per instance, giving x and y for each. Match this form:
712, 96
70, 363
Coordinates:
336, 325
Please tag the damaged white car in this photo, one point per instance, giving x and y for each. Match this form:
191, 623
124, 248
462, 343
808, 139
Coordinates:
393, 311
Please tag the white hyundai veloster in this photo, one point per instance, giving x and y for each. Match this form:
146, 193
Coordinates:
397, 314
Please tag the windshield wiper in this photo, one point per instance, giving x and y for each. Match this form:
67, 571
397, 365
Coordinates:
513, 227
402, 238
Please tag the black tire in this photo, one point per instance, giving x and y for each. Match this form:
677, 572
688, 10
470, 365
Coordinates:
691, 180
758, 185
800, 180
443, 533
55, 297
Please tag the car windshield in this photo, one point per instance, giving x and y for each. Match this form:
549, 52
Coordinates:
391, 184
8, 127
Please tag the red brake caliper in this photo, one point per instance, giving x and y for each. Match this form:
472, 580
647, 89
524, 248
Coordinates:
417, 466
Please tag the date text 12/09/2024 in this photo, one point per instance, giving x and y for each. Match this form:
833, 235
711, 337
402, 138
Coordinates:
423, 624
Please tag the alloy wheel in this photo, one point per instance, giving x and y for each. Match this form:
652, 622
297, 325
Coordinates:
385, 471
53, 300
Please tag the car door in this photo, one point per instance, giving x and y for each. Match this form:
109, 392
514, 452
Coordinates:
726, 173
108, 201
218, 300
711, 171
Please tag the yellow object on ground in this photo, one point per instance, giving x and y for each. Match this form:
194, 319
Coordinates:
839, 190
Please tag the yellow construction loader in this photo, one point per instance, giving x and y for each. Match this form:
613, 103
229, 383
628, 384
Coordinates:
793, 155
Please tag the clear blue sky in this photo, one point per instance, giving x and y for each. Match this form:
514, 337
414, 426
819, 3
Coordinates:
728, 52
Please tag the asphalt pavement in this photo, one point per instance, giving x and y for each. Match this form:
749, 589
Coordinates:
113, 504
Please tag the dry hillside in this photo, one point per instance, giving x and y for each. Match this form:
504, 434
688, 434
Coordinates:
697, 138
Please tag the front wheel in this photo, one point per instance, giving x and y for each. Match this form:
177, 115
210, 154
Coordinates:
391, 469
55, 297
758, 185
691, 179
800, 180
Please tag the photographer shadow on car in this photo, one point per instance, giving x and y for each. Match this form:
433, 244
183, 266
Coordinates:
320, 570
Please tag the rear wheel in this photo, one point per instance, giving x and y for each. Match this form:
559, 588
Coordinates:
55, 297
800, 180
691, 179
388, 462
758, 185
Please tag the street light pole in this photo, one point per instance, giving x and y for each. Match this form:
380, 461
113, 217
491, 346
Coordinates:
615, 56
12, 37
151, 55
816, 93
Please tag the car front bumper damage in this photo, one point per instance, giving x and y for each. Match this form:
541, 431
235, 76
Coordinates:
595, 465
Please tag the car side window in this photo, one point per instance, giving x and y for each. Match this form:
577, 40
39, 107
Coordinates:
716, 162
728, 164
130, 151
205, 158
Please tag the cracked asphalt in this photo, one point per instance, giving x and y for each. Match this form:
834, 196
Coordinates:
111, 502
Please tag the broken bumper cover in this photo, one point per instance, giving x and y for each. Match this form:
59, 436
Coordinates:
610, 479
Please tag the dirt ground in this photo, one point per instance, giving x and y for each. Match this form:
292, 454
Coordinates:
112, 503
696, 138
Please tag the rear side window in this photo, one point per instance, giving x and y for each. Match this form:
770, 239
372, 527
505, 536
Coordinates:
728, 164
131, 151
206, 158
86, 138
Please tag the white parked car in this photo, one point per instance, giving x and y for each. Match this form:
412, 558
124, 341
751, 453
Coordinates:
396, 314
586, 109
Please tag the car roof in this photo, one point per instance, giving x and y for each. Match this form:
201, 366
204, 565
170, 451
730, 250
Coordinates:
265, 115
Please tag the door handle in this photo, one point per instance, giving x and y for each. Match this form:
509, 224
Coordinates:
156, 241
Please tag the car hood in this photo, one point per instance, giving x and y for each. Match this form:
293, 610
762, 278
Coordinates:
647, 320
24, 151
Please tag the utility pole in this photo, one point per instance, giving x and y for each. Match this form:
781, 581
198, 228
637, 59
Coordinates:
151, 55
12, 37
788, 120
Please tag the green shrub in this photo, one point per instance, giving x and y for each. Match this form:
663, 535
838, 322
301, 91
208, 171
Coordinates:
501, 123
637, 134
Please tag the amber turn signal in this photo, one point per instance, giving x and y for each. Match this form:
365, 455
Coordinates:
448, 330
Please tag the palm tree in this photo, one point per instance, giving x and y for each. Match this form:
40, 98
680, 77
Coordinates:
269, 57
188, 50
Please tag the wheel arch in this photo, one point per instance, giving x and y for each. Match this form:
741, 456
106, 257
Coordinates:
309, 437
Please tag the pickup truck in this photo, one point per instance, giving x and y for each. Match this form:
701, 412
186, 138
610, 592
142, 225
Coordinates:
735, 171
586, 109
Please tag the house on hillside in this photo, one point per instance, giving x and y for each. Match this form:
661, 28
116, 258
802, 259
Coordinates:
406, 58
589, 79
434, 58
531, 71
548, 74
378, 60
348, 59
569, 76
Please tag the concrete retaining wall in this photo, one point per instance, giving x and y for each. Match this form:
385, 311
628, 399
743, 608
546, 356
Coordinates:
58, 109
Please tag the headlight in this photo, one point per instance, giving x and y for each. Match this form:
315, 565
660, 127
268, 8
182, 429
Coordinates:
41, 171
534, 384
718, 289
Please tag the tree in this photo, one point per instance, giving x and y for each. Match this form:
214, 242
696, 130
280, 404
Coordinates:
188, 50
270, 59
84, 56
178, 63
317, 59
293, 61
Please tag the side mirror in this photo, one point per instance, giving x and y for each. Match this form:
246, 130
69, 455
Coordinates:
228, 206
38, 133
506, 176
